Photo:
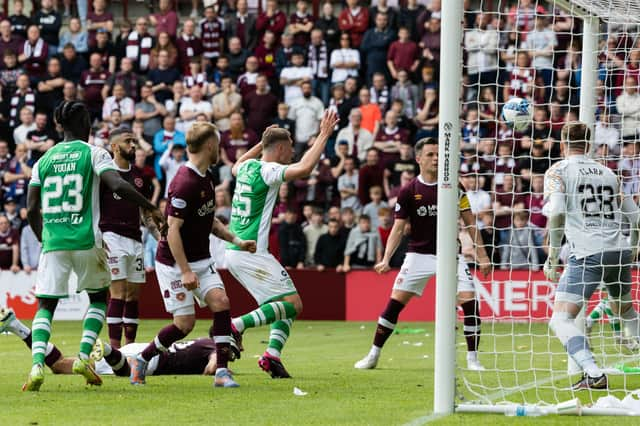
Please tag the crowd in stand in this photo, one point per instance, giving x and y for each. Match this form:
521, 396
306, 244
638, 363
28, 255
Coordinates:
376, 64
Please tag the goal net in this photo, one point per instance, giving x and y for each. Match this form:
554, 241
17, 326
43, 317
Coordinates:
537, 50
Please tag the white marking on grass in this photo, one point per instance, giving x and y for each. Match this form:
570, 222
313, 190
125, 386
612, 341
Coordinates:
425, 419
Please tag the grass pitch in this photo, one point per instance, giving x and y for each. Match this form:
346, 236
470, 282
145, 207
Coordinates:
320, 356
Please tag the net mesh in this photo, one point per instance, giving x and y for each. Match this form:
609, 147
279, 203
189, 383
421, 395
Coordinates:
533, 50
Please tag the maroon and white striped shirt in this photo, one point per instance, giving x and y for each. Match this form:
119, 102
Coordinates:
212, 33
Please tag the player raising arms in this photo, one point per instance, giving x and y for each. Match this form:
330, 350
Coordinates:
184, 266
120, 223
64, 212
260, 273
417, 204
584, 202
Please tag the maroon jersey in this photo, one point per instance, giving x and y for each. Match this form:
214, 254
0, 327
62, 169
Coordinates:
396, 136
92, 83
95, 19
520, 83
301, 38
6, 247
212, 33
120, 216
192, 199
418, 203
189, 357
188, 48
231, 144
534, 203
506, 199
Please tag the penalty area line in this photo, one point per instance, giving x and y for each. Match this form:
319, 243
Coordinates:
422, 420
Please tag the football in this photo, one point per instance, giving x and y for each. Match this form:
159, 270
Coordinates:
517, 114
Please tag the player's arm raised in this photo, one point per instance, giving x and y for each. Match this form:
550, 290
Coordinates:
221, 231
481, 255
395, 237
189, 278
305, 166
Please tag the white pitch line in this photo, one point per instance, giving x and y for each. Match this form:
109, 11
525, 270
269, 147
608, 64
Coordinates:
424, 419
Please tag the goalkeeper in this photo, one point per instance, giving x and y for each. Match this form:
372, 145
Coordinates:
584, 201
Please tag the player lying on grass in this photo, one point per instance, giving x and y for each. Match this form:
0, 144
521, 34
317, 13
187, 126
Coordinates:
191, 357
64, 212
584, 202
258, 182
417, 206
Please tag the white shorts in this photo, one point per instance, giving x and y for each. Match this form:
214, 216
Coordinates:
55, 267
177, 299
126, 258
417, 269
261, 274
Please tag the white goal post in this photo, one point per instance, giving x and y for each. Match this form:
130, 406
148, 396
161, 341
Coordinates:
497, 390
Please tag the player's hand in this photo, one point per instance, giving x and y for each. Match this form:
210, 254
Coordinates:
190, 280
382, 267
15, 269
27, 269
485, 265
346, 268
552, 270
161, 222
248, 245
328, 123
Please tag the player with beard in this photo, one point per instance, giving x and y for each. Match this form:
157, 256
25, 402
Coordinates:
120, 224
184, 265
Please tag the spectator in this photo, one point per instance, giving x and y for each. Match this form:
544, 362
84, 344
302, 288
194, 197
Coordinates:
49, 22
607, 134
163, 138
122, 39
312, 232
506, 201
376, 203
329, 250
481, 44
307, 112
348, 186
363, 248
385, 223
121, 102
375, 45
479, 199
359, 140
284, 52
236, 140
328, 24
533, 203
166, 20
301, 24
381, 7
41, 139
30, 249
212, 34
371, 113
126, 77
260, 106
139, 45
50, 87
76, 36
521, 252
345, 61
283, 121
237, 58
408, 18
380, 93
23, 97
105, 48
8, 40
318, 61
403, 54
163, 77
69, 92
342, 105
5, 157
99, 19
151, 183
629, 168
430, 41
428, 115
217, 72
9, 246
19, 21
17, 175
628, 105
293, 76
241, 26
33, 53
354, 20
247, 81
196, 77
394, 170
266, 53
72, 65
541, 42
407, 93
92, 82
292, 241
192, 106
9, 74
170, 161
389, 139
472, 132
271, 19
12, 213
150, 112
347, 223
225, 103
27, 124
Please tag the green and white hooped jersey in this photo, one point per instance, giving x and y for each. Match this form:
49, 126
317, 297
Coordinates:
257, 186
68, 175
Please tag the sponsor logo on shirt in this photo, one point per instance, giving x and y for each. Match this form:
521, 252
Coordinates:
208, 208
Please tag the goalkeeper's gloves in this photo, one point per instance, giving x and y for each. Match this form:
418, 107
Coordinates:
552, 265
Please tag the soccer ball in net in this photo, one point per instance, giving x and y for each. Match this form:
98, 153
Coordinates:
517, 114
